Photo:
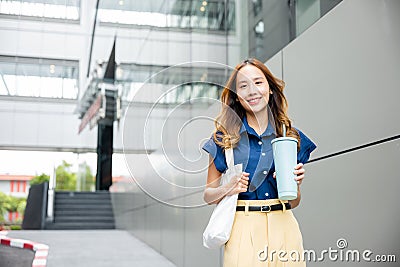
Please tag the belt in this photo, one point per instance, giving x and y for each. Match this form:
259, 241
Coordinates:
264, 208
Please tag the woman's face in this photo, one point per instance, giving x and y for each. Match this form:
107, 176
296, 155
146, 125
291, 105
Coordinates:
252, 89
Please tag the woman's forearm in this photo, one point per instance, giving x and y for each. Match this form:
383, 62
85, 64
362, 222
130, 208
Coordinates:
213, 195
295, 202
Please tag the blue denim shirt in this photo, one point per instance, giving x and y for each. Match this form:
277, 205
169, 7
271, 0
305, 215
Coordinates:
255, 153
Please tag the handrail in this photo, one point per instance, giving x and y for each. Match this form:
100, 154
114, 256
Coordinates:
50, 197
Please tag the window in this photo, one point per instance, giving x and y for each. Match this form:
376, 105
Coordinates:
53, 9
170, 84
259, 28
182, 14
38, 77
257, 6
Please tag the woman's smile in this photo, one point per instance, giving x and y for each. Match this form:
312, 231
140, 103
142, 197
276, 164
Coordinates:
254, 100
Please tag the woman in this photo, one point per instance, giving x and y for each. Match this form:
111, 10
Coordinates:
253, 111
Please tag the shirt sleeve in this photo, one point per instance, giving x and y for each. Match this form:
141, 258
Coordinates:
216, 152
306, 147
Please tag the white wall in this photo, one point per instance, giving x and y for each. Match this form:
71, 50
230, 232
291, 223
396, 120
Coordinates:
49, 125
5, 187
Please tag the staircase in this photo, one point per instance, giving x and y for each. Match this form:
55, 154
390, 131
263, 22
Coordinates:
82, 210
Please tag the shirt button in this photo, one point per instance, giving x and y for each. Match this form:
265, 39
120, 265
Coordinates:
263, 154
265, 172
266, 194
260, 143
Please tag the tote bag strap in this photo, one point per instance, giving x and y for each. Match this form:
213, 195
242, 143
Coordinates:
229, 158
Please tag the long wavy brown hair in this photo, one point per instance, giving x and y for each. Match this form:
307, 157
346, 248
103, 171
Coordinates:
229, 120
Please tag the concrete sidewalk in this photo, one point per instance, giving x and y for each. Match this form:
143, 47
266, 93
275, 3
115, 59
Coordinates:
97, 248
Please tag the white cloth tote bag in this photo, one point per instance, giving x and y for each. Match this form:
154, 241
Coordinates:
219, 227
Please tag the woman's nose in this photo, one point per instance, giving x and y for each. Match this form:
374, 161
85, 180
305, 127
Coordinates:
253, 88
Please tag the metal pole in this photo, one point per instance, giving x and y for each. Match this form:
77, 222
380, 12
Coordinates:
104, 156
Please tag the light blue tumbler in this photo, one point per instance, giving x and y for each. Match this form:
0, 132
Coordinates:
285, 158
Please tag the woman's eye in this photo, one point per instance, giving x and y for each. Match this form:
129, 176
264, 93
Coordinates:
258, 83
243, 86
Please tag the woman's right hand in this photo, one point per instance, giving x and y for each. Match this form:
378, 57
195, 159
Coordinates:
237, 184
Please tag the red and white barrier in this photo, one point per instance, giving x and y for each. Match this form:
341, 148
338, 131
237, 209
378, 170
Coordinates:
41, 250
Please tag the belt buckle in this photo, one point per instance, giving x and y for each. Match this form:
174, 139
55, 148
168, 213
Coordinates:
265, 209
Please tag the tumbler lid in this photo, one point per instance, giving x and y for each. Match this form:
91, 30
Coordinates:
283, 139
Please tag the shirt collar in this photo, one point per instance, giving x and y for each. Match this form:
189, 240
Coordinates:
270, 128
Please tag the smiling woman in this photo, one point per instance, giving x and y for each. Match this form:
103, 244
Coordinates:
251, 79
253, 94
252, 104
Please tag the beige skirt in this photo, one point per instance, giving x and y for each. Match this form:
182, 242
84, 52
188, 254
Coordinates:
264, 239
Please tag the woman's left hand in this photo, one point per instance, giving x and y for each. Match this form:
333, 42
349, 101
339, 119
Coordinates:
299, 171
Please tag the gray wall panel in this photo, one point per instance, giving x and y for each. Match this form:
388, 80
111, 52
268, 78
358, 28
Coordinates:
275, 65
153, 226
196, 220
172, 234
341, 75
121, 203
352, 197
